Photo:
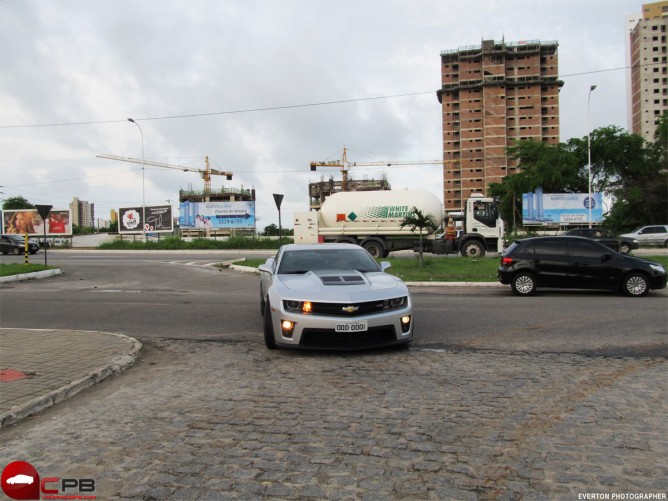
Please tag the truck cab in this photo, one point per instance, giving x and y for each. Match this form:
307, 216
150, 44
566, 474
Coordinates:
479, 228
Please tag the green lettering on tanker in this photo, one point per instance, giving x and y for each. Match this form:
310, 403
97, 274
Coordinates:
383, 212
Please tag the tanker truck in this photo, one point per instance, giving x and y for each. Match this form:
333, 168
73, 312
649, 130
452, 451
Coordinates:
372, 219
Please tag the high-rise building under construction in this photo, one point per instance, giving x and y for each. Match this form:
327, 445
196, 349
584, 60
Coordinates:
492, 95
649, 68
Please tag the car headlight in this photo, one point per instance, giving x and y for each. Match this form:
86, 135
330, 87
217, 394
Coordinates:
298, 306
292, 305
658, 267
397, 302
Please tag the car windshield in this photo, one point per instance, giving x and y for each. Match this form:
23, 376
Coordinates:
16, 238
302, 261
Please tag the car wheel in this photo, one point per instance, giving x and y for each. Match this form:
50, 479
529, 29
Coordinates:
374, 248
624, 248
473, 249
262, 302
524, 284
635, 285
269, 340
16, 251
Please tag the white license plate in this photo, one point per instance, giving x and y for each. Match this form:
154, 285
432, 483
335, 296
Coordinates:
351, 327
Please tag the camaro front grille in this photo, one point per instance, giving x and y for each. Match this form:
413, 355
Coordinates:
327, 338
347, 309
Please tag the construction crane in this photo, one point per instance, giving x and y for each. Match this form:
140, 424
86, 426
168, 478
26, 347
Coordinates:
206, 173
344, 165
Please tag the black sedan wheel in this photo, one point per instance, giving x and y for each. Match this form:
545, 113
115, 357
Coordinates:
269, 340
524, 284
16, 251
635, 285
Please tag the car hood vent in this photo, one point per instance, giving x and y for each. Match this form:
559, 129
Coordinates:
341, 279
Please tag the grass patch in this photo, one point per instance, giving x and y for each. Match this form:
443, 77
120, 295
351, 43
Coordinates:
459, 269
7, 270
455, 269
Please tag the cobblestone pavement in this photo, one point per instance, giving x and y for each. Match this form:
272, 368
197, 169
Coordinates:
235, 421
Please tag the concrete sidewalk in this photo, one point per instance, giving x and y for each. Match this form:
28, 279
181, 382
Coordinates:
41, 367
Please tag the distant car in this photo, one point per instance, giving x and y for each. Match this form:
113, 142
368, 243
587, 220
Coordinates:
650, 235
332, 296
624, 245
13, 244
576, 263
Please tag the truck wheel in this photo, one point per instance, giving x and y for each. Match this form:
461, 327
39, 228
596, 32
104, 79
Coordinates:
374, 248
624, 248
524, 284
473, 249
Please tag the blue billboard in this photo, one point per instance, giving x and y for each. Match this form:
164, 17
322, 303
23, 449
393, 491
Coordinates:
216, 215
561, 208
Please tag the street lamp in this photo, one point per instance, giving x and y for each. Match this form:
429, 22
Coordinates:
143, 190
589, 201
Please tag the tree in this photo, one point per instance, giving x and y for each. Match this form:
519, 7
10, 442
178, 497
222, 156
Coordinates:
417, 220
625, 168
16, 203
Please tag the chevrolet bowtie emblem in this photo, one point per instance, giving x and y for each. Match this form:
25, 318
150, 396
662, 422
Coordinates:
350, 309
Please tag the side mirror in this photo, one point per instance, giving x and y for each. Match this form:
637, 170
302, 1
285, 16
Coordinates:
606, 257
384, 265
268, 266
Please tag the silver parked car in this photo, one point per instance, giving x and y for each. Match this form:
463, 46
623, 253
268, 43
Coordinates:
332, 296
650, 235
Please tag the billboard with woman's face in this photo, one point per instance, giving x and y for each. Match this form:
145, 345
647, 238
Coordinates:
28, 221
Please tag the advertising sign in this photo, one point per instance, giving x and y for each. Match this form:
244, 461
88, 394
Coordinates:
20, 222
158, 219
213, 215
561, 208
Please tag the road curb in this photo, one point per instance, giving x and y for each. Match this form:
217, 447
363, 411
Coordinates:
116, 365
31, 276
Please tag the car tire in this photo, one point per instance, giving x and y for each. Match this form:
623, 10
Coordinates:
635, 285
524, 284
269, 340
473, 249
624, 248
16, 251
262, 302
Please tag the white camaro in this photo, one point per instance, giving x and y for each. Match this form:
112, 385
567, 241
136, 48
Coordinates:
332, 296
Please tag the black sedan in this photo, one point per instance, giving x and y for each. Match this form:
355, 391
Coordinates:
623, 245
14, 244
576, 263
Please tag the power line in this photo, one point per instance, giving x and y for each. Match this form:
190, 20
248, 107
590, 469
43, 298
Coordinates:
215, 113
278, 108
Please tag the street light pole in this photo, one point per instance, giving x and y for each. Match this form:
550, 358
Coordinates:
143, 189
589, 201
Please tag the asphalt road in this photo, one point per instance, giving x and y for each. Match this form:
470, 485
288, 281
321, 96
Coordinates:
180, 296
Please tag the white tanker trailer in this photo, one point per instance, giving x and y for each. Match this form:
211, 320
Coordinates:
373, 219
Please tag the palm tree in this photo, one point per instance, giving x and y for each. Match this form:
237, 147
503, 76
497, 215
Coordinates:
417, 220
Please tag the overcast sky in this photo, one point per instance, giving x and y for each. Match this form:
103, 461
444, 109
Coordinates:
230, 79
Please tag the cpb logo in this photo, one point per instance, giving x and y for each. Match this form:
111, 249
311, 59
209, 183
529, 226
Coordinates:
20, 480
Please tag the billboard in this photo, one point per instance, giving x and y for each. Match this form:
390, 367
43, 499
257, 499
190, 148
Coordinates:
217, 215
22, 221
561, 208
158, 220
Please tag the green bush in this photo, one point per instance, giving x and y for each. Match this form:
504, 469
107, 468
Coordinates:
173, 243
